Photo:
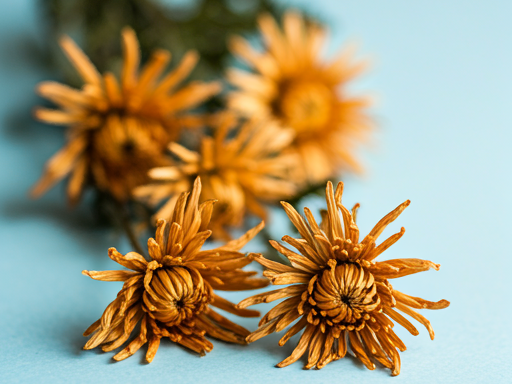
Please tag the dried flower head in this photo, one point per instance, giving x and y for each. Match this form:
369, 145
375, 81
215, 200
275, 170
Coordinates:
339, 293
117, 131
241, 168
293, 85
172, 295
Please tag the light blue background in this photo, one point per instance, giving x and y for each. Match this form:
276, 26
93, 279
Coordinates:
442, 76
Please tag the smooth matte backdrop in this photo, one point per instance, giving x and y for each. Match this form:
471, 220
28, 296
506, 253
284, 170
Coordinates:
441, 76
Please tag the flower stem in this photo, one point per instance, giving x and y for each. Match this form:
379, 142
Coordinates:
124, 220
131, 236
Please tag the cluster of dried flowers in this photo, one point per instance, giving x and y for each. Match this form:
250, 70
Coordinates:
287, 125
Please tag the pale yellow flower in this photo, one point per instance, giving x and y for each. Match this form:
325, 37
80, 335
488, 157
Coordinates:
241, 168
291, 83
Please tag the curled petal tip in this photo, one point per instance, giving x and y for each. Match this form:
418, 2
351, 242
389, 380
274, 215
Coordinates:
193, 52
441, 304
36, 112
249, 339
253, 256
265, 16
63, 39
33, 193
127, 30
39, 89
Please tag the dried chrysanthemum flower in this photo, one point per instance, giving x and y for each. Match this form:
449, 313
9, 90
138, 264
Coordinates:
118, 131
339, 293
240, 168
293, 85
172, 295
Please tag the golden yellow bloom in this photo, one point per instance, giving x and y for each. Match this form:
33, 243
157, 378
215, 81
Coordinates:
340, 294
172, 295
293, 85
241, 168
118, 131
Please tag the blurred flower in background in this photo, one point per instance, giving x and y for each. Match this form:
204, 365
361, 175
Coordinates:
281, 130
242, 166
292, 84
118, 130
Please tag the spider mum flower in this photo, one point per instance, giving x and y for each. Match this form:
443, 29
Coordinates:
118, 130
340, 294
173, 294
292, 84
242, 168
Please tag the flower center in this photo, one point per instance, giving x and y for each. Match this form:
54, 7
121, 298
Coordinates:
176, 294
122, 139
345, 294
123, 149
128, 147
305, 106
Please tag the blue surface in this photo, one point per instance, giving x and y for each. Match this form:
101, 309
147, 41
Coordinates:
443, 77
